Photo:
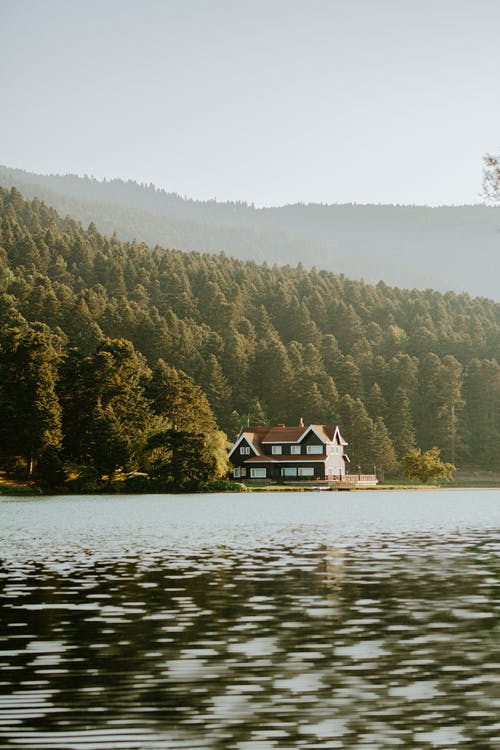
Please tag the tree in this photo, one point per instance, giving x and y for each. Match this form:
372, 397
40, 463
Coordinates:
491, 177
482, 413
49, 471
360, 431
400, 423
426, 465
375, 402
175, 396
184, 460
385, 460
217, 389
440, 403
111, 445
105, 409
272, 373
30, 412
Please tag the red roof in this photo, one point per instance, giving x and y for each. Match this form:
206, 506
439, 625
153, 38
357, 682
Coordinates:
283, 434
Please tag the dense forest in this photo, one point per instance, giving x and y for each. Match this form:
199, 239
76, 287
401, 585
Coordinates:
115, 355
445, 248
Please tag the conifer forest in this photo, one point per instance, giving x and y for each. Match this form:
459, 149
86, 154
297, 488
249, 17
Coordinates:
115, 356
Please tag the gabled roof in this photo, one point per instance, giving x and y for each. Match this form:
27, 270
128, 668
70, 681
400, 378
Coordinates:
256, 436
252, 438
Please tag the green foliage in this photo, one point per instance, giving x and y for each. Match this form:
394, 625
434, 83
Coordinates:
50, 473
426, 465
223, 485
432, 243
183, 461
176, 397
139, 482
88, 480
105, 409
109, 339
30, 411
400, 423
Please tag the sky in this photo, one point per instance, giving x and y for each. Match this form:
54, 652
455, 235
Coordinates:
270, 102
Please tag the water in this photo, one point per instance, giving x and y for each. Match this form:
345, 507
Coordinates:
253, 622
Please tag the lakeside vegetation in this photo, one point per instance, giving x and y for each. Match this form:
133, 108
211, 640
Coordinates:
115, 357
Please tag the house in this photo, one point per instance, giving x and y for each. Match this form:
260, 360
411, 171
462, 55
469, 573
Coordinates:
281, 453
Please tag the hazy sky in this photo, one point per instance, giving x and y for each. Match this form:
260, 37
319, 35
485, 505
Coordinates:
271, 101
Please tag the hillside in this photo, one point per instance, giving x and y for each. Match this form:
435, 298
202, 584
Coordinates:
266, 344
446, 248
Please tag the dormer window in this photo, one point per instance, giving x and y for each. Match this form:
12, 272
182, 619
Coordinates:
276, 450
295, 450
244, 450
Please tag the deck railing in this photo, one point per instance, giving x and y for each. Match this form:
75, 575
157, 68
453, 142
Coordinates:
356, 478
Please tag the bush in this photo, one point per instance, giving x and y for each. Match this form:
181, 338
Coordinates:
223, 485
138, 483
88, 480
426, 465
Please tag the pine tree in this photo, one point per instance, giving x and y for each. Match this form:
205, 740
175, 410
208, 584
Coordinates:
401, 423
217, 390
360, 433
384, 455
375, 402
177, 398
29, 406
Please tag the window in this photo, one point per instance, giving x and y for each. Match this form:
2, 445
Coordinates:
276, 449
258, 473
295, 450
244, 450
314, 449
289, 472
335, 449
236, 472
306, 471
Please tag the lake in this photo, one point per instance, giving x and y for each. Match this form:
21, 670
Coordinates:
251, 621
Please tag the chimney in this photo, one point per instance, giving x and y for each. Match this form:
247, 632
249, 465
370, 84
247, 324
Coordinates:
281, 425
301, 422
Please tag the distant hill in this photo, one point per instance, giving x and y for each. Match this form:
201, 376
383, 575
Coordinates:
445, 248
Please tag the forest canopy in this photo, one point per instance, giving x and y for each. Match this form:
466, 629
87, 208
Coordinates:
396, 368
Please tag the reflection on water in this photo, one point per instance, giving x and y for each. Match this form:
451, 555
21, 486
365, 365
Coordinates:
300, 621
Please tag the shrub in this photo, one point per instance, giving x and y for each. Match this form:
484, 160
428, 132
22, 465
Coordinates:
88, 480
223, 485
138, 483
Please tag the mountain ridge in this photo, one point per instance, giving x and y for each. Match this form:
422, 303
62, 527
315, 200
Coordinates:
449, 248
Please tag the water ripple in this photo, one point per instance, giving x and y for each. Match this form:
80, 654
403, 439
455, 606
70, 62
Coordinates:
304, 622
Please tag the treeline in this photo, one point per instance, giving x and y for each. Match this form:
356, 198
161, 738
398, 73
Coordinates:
409, 246
266, 344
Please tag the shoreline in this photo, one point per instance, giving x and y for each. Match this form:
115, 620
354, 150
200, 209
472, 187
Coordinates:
12, 490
